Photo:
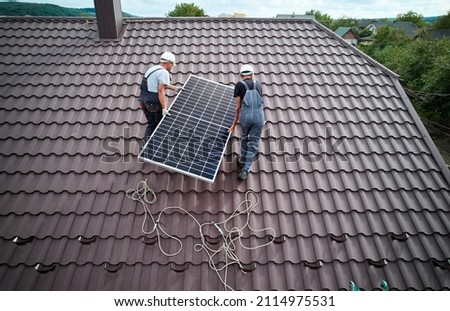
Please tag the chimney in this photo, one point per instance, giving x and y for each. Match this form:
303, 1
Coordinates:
109, 18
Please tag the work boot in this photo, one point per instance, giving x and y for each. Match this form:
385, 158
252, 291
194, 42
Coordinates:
243, 175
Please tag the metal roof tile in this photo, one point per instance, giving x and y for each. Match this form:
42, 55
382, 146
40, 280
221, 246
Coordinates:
159, 277
95, 203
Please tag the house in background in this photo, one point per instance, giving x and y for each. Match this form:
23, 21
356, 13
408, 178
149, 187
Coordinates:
239, 14
364, 22
235, 14
346, 174
348, 34
410, 29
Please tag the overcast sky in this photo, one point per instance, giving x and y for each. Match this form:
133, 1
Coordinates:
270, 8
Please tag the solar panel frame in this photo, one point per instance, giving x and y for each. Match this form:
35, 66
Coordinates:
204, 119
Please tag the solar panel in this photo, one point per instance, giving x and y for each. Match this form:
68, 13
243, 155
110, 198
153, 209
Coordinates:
192, 139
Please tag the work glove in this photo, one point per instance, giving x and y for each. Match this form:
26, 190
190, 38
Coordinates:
179, 89
165, 112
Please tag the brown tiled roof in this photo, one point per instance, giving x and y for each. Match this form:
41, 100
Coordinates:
346, 173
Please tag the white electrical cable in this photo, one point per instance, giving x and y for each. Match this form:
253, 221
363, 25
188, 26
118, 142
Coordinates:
229, 236
140, 194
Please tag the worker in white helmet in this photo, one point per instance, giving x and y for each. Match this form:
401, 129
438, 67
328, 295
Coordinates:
153, 98
249, 113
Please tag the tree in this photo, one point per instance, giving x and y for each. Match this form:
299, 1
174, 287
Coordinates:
364, 32
443, 22
387, 36
186, 9
412, 17
424, 67
436, 82
343, 22
322, 18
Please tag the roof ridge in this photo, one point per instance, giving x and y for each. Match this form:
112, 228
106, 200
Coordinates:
158, 18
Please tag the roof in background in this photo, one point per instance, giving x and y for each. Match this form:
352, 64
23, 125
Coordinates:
364, 22
409, 28
346, 174
341, 31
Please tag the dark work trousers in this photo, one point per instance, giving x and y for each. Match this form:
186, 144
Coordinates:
152, 111
251, 135
252, 123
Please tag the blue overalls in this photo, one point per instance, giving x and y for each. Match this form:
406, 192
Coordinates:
251, 120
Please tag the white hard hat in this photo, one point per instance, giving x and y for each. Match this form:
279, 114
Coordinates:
246, 70
168, 57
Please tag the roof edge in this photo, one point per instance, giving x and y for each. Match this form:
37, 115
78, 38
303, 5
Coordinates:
426, 136
356, 50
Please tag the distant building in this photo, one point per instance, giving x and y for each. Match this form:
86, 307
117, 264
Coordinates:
235, 14
348, 34
295, 16
363, 23
410, 29
239, 14
366, 40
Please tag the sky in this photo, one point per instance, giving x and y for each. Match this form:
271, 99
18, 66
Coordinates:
270, 8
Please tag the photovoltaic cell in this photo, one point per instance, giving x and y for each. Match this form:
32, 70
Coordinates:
192, 139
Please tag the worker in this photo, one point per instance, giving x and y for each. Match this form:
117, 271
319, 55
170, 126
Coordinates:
249, 113
153, 98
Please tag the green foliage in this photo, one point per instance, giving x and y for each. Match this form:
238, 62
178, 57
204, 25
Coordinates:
186, 9
393, 57
322, 18
388, 36
424, 67
436, 82
364, 33
343, 22
443, 22
412, 17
